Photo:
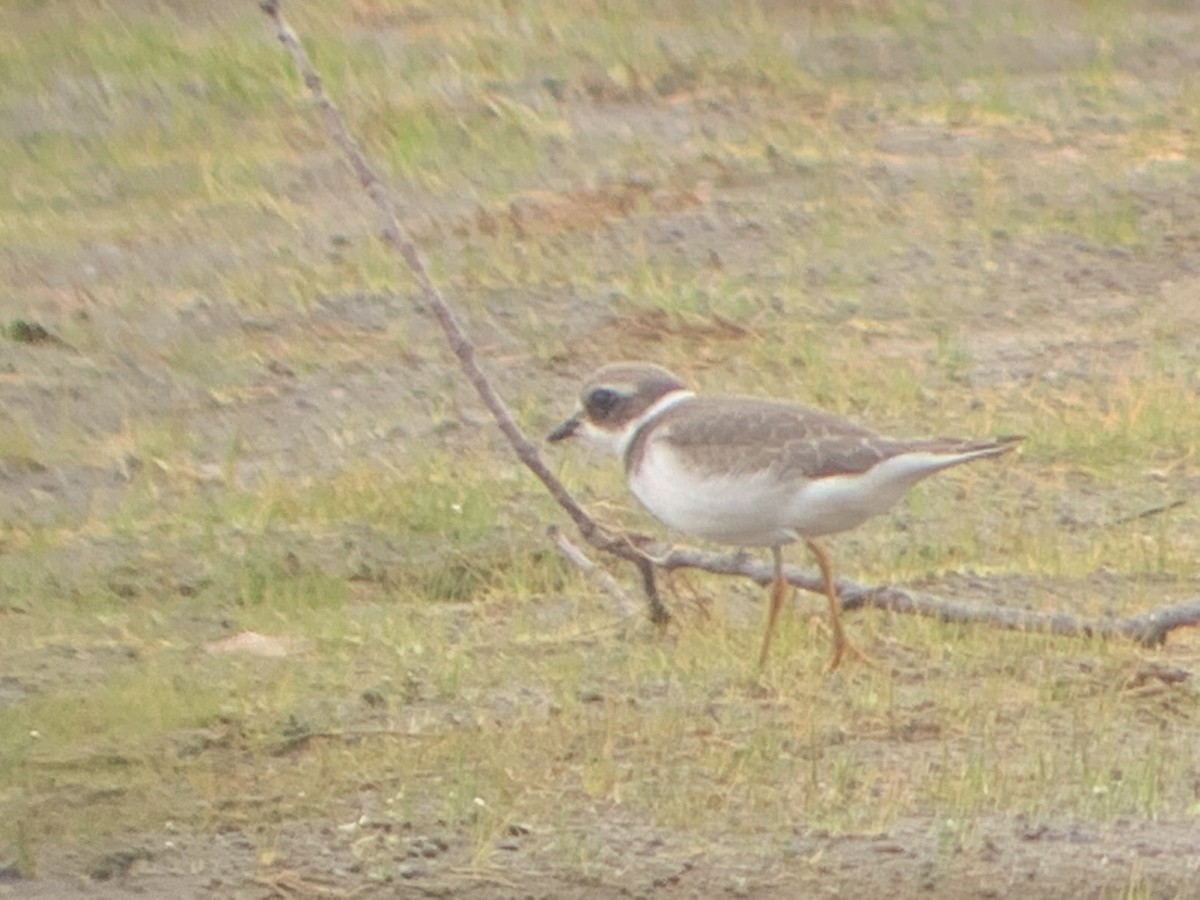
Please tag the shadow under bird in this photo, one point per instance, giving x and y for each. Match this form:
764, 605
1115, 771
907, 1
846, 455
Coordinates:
753, 472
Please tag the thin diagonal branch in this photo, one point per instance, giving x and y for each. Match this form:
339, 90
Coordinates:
394, 236
576, 557
1150, 628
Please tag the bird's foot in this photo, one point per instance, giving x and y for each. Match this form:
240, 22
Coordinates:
842, 647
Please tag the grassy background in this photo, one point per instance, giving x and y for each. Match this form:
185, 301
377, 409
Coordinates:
935, 217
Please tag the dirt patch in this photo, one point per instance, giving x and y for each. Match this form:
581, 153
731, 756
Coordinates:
990, 858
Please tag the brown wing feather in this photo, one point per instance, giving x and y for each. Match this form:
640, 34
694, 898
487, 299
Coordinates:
752, 434
736, 435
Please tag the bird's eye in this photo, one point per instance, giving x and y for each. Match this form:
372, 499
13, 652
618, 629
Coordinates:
600, 402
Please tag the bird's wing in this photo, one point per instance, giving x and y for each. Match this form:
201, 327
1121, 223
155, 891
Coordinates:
738, 435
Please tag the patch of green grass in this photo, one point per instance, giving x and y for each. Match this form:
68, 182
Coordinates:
421, 142
19, 442
1106, 428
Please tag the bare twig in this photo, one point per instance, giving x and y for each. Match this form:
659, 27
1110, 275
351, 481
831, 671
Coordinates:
577, 558
1149, 629
1147, 513
395, 236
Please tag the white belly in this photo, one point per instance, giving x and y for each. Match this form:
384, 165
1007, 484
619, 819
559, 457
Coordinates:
761, 511
739, 511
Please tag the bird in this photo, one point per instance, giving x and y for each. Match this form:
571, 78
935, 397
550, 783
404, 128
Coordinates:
752, 472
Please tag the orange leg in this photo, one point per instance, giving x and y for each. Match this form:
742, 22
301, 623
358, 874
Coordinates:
841, 645
779, 590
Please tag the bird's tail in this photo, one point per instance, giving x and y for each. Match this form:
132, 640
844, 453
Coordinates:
957, 450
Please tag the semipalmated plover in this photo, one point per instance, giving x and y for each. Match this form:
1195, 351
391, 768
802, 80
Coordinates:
752, 472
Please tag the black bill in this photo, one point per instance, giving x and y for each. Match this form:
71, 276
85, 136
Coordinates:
565, 430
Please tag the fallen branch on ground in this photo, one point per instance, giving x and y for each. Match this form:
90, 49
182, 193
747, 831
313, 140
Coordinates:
579, 560
1150, 628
